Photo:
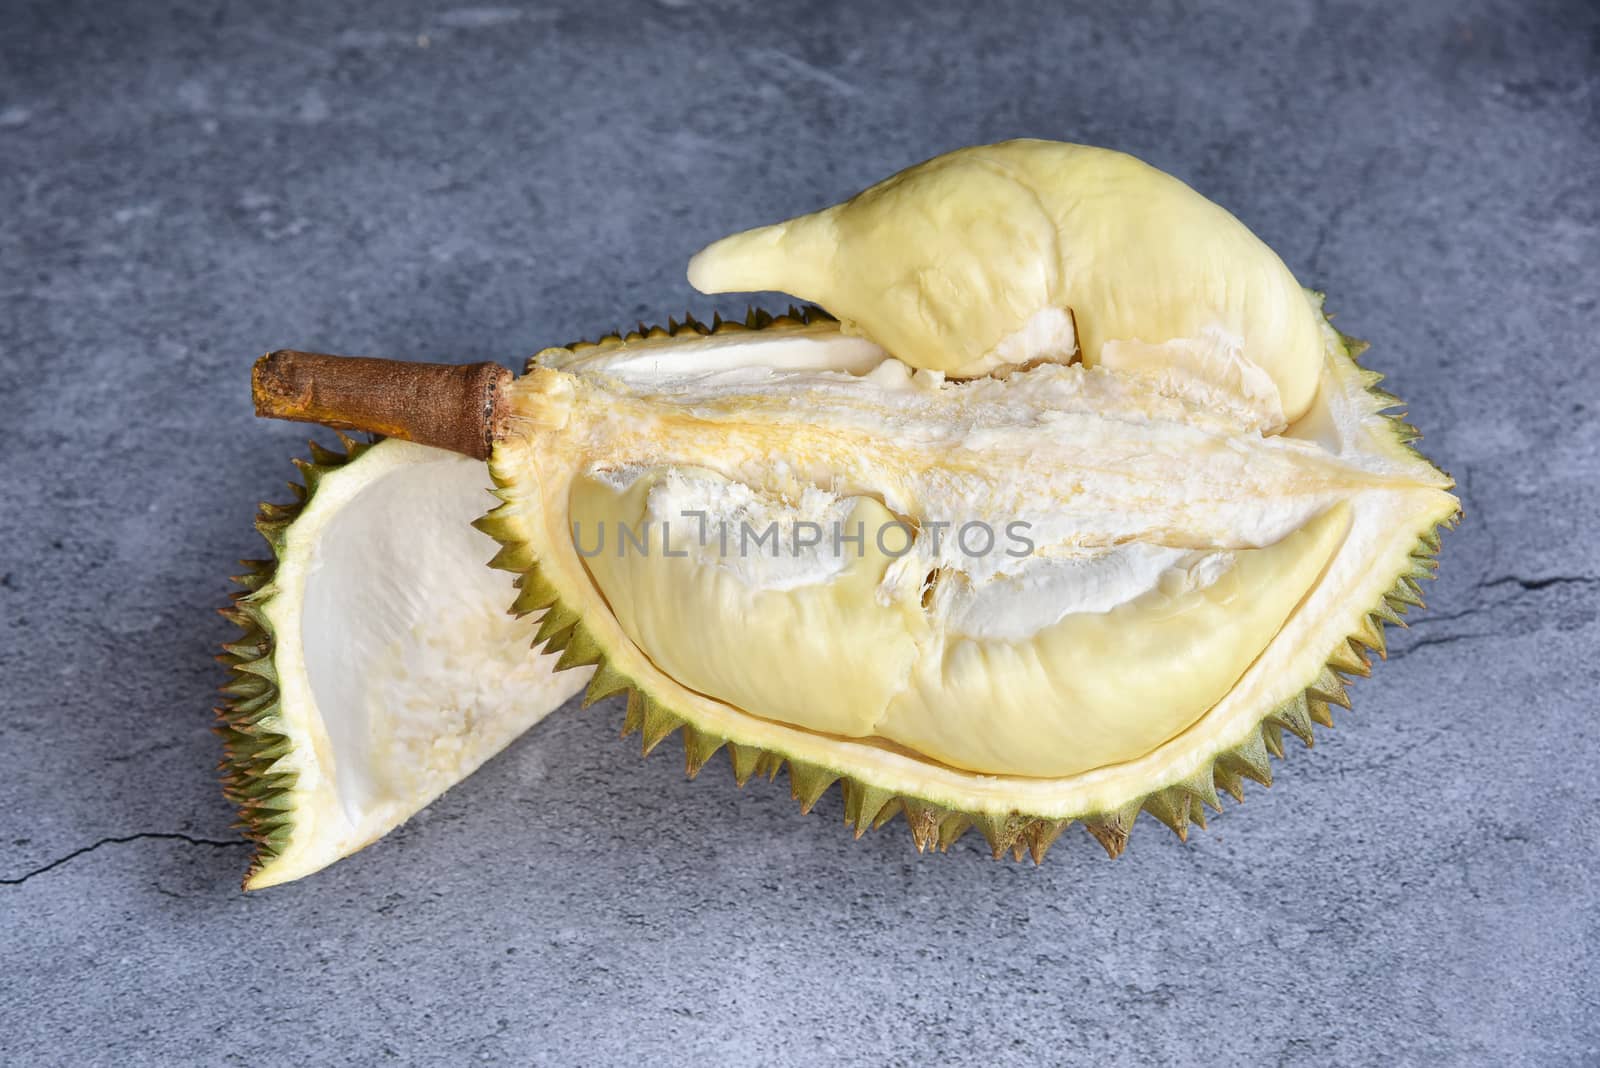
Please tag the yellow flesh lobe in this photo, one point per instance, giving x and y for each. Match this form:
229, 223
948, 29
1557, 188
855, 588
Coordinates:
1092, 688
990, 256
1097, 688
824, 656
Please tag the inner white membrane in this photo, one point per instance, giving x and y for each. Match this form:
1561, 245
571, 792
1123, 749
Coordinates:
418, 672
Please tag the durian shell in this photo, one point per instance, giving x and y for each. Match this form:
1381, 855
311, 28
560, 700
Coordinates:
1014, 832
248, 719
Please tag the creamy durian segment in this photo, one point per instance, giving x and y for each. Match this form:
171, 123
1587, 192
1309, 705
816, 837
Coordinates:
1097, 688
800, 613
745, 600
1006, 254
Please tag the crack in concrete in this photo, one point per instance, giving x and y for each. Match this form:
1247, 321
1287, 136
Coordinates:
1522, 583
119, 840
1540, 583
1442, 639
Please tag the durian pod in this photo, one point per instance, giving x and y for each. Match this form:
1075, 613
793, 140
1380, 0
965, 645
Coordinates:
1059, 594
348, 708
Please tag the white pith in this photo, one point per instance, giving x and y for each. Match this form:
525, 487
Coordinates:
399, 672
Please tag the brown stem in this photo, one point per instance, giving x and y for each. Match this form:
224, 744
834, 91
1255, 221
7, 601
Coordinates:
451, 406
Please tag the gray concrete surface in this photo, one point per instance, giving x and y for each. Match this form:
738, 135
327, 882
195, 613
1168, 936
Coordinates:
186, 186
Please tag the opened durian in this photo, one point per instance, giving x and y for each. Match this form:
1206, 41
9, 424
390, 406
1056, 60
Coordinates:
1076, 509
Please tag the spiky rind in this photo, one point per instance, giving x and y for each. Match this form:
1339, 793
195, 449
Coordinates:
755, 319
1177, 805
248, 719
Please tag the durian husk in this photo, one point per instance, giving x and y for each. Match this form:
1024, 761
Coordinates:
868, 804
249, 719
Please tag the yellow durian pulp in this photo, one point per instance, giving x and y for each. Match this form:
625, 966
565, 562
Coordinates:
1005, 253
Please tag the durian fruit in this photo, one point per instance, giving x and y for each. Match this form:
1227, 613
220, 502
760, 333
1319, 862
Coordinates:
377, 666
1071, 524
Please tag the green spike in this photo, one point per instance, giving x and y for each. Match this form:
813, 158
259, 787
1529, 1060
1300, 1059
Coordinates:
744, 758
278, 514
311, 475
1330, 688
1002, 832
1385, 612
1228, 781
325, 457
1370, 634
769, 764
247, 686
808, 782
659, 722
863, 803
257, 573
1422, 569
250, 647
1111, 829
1349, 659
698, 747
1294, 717
1249, 758
895, 806
1042, 834
606, 681
1272, 738
1171, 807
924, 820
557, 622
534, 594
273, 532
581, 651
633, 719
1201, 786
1383, 399
513, 556
251, 709
951, 828
1404, 430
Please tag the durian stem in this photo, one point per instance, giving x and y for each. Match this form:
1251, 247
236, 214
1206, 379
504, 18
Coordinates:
451, 406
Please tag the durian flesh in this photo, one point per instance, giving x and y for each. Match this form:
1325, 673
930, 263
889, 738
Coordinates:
995, 255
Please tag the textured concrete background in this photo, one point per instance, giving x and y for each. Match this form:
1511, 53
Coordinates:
186, 186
